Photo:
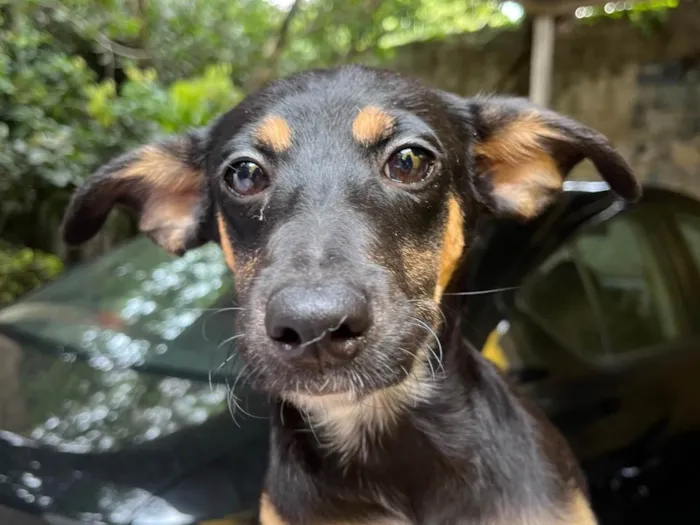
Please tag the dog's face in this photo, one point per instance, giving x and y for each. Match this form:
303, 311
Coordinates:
342, 201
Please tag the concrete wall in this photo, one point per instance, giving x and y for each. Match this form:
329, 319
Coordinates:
639, 87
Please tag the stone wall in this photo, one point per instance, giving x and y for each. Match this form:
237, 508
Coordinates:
641, 88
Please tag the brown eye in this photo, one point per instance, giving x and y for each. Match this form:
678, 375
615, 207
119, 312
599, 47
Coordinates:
246, 178
409, 165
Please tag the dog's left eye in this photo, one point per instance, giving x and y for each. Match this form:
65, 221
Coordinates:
245, 178
409, 165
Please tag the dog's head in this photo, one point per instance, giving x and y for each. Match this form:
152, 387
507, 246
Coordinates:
342, 200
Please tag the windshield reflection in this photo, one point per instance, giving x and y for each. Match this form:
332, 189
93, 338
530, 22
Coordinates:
133, 351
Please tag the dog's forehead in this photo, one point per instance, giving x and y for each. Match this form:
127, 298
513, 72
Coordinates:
301, 109
332, 110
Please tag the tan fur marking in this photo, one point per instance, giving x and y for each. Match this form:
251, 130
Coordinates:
171, 191
576, 511
527, 187
226, 247
523, 174
418, 263
275, 133
580, 511
268, 513
269, 516
371, 125
163, 170
452, 247
168, 219
518, 140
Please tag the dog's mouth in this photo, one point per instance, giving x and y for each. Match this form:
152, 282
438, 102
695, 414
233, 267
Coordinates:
338, 363
342, 335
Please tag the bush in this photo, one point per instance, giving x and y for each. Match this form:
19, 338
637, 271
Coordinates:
144, 103
23, 269
59, 121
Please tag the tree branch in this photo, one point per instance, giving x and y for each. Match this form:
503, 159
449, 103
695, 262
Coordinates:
121, 50
273, 50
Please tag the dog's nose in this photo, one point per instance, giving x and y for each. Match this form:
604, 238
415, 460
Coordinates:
318, 325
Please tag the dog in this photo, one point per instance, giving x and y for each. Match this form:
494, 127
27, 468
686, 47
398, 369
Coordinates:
345, 201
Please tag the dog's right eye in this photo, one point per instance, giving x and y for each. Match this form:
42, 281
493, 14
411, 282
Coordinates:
410, 165
246, 178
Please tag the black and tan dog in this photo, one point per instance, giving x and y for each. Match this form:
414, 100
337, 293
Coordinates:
344, 201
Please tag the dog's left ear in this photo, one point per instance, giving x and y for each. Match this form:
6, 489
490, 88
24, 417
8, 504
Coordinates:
163, 183
522, 153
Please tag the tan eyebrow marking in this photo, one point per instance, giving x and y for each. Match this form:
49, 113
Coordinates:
275, 133
371, 125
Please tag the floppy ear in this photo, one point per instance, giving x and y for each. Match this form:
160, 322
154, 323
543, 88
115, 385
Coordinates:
162, 183
522, 153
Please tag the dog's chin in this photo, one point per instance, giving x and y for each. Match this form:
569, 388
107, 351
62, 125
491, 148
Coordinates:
327, 394
353, 381
349, 383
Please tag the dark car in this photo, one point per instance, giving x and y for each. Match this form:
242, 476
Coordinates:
122, 401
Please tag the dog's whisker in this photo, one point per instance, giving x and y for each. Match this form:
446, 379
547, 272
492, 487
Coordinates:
324, 333
225, 362
308, 419
233, 392
439, 360
228, 340
215, 310
229, 394
432, 307
231, 403
431, 332
217, 369
282, 401
484, 292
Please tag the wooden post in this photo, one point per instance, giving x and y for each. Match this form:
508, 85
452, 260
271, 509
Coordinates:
542, 59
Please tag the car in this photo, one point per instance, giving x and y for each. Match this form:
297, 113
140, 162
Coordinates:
122, 401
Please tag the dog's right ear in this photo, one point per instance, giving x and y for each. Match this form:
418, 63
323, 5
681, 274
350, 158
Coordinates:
522, 153
163, 183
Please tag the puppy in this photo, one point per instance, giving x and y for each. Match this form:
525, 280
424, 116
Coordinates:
344, 201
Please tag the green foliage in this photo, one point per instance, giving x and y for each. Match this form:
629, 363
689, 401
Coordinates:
647, 15
23, 269
144, 102
48, 139
41, 93
59, 121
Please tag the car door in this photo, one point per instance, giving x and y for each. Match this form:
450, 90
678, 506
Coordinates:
597, 316
684, 225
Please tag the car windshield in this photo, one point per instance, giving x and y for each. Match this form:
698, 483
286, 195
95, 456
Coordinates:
136, 307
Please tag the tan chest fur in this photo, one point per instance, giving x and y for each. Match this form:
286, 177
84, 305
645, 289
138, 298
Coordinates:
577, 513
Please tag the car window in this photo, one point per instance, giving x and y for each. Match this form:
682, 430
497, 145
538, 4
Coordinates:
689, 226
627, 282
138, 306
129, 348
555, 298
603, 293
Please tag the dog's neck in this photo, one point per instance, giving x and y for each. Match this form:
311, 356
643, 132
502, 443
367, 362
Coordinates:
461, 427
348, 426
